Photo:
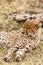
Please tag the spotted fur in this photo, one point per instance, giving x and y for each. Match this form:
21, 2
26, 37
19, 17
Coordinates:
21, 43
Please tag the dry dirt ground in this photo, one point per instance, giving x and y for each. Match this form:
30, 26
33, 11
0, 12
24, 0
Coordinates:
35, 57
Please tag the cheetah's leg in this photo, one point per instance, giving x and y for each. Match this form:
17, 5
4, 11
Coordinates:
20, 54
11, 51
8, 56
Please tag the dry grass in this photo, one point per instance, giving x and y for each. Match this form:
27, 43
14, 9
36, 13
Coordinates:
35, 57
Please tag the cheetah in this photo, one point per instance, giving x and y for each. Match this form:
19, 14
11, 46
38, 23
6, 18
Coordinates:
23, 43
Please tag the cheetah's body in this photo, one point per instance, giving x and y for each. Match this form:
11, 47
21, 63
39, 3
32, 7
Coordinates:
19, 43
